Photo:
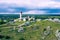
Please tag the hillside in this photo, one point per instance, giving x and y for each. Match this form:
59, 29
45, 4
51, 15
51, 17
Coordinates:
33, 31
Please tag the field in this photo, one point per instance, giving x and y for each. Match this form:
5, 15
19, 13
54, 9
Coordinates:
34, 31
29, 33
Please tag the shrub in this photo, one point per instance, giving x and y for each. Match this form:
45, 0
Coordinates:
7, 37
21, 39
1, 36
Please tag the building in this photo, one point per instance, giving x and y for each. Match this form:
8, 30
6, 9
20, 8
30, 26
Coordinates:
21, 15
56, 20
25, 18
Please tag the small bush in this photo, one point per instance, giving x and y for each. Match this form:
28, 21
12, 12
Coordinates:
7, 37
21, 39
1, 36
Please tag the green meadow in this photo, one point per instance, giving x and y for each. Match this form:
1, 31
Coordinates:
29, 33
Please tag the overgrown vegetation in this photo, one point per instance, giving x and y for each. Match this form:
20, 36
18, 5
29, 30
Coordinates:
31, 33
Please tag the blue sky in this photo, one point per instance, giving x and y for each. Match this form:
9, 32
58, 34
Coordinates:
30, 6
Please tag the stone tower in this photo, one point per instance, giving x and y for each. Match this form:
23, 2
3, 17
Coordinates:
21, 15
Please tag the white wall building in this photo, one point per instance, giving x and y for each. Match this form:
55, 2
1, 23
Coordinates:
56, 20
21, 16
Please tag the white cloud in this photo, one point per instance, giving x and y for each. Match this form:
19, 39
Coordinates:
11, 10
56, 13
34, 12
29, 4
32, 3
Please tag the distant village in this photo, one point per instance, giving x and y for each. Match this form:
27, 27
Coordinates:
28, 18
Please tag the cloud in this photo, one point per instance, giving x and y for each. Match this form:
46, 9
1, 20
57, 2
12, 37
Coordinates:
11, 10
51, 10
42, 12
29, 6
32, 3
57, 0
35, 12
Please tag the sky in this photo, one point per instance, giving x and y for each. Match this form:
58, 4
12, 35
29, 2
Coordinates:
30, 6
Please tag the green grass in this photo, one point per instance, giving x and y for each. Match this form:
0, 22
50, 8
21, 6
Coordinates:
29, 33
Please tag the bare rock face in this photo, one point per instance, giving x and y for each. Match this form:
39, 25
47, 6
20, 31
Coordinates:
27, 23
35, 27
57, 34
46, 31
21, 29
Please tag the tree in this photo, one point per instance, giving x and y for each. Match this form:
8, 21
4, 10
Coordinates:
1, 36
21, 39
7, 37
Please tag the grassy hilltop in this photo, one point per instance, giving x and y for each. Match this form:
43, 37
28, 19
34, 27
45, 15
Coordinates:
29, 33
